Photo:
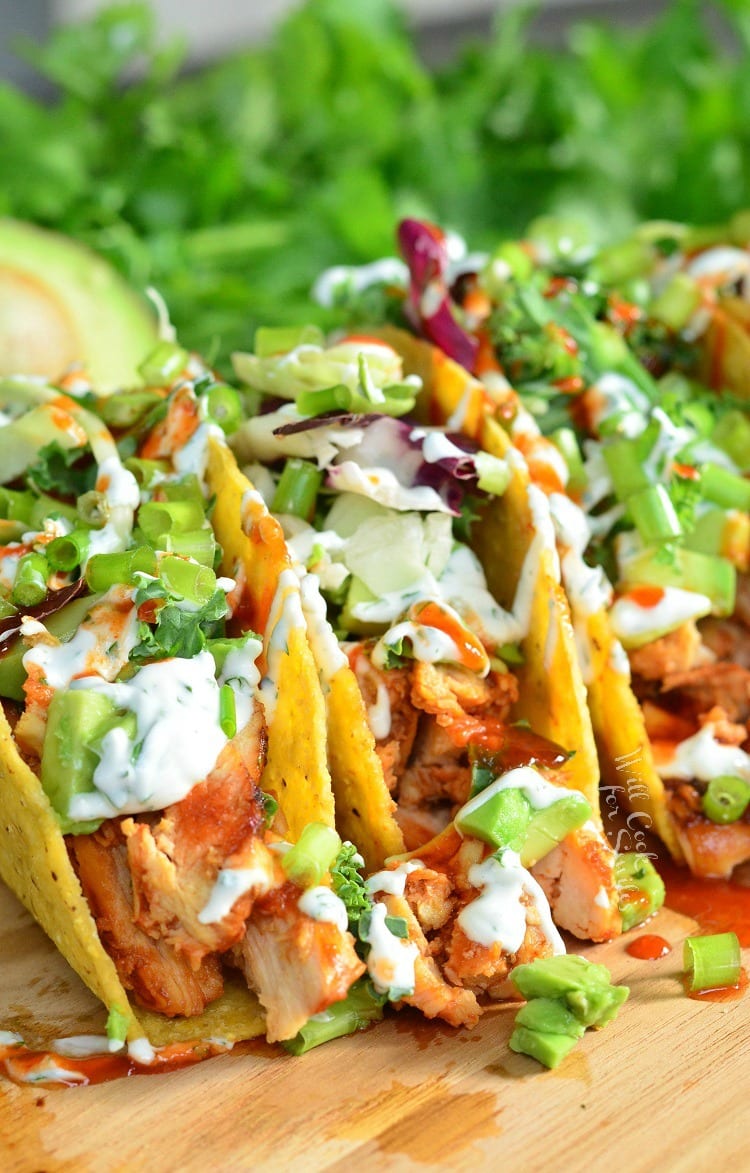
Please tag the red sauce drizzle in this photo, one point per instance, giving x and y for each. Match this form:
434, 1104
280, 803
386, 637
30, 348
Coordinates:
719, 906
21, 1064
722, 993
649, 947
646, 596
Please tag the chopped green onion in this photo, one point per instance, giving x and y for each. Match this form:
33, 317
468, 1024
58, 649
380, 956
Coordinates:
270, 340
227, 711
188, 580
625, 466
677, 302
494, 474
147, 472
318, 402
224, 407
732, 434
725, 488
361, 1007
654, 515
621, 262
712, 962
187, 488
640, 888
16, 506
30, 583
125, 409
46, 507
566, 443
166, 517
297, 490
198, 544
69, 551
163, 364
92, 507
312, 855
11, 531
107, 570
726, 799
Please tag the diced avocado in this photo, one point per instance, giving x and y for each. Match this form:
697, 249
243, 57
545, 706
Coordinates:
500, 819
549, 1016
60, 304
76, 722
596, 1005
549, 1049
554, 977
358, 593
63, 624
640, 888
551, 824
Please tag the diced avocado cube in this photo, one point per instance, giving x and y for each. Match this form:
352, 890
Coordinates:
551, 824
554, 977
596, 1005
358, 593
500, 819
549, 1016
549, 1049
76, 722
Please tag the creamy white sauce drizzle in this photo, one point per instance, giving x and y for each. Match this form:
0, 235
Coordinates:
538, 791
82, 1046
392, 880
95, 649
390, 962
193, 456
177, 742
286, 616
321, 904
230, 885
242, 675
703, 757
497, 916
327, 653
634, 624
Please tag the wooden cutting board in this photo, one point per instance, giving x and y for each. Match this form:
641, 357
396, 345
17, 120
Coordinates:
664, 1086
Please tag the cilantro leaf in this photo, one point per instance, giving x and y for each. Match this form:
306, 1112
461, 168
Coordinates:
60, 470
177, 629
348, 884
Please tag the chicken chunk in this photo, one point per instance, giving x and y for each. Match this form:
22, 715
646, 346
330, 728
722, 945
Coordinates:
175, 864
297, 966
386, 693
159, 979
577, 879
700, 689
678, 651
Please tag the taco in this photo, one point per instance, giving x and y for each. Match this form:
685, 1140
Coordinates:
166, 804
455, 663
645, 471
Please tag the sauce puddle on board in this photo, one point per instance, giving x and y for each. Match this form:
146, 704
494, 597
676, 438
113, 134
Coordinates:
721, 993
719, 906
648, 947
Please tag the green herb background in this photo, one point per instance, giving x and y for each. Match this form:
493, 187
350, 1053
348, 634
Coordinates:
230, 188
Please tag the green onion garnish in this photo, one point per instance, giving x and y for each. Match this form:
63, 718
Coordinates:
187, 580
163, 364
726, 799
69, 551
297, 490
713, 962
106, 570
227, 710
167, 517
654, 515
494, 474
725, 488
30, 584
318, 402
312, 855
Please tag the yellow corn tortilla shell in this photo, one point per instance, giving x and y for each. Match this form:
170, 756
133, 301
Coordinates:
296, 770
726, 348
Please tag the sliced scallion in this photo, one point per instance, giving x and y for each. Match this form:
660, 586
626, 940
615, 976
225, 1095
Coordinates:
297, 490
30, 583
654, 515
726, 799
712, 962
227, 711
312, 855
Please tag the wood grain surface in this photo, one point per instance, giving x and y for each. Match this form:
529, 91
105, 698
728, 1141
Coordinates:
663, 1087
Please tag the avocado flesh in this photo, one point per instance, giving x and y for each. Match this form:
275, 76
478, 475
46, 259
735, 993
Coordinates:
61, 304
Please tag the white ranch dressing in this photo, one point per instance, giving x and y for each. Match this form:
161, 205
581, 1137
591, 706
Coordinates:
230, 885
141, 1051
286, 616
392, 880
242, 675
390, 962
379, 716
721, 261
327, 653
176, 705
82, 1046
539, 793
497, 916
94, 650
430, 645
634, 624
321, 904
120, 489
193, 456
702, 757
383, 485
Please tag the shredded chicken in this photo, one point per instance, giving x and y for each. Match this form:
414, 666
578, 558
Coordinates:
159, 979
433, 995
578, 881
678, 651
394, 684
174, 864
297, 966
701, 688
438, 770
711, 849
450, 692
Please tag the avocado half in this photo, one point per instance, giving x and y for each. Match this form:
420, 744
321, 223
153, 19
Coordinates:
60, 304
